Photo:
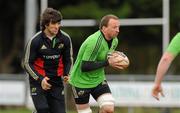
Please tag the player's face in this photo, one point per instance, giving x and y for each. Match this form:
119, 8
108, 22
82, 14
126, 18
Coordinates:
112, 28
53, 28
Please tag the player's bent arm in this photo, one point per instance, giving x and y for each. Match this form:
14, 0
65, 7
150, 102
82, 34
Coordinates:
29, 57
163, 66
68, 56
93, 65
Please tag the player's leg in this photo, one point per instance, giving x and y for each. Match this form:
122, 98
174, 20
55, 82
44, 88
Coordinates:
56, 100
39, 98
106, 103
81, 97
83, 108
103, 96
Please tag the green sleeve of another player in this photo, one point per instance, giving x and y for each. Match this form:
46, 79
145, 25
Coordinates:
174, 46
91, 50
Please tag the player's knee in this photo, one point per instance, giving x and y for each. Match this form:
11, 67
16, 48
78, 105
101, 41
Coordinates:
87, 110
106, 103
106, 100
107, 109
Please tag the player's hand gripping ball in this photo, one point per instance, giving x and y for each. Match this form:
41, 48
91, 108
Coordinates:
118, 60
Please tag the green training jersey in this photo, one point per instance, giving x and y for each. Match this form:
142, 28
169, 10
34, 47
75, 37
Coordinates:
94, 48
174, 46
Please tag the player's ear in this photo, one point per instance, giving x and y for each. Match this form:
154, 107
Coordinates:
47, 25
103, 28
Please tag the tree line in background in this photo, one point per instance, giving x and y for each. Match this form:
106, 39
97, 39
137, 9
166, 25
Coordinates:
142, 44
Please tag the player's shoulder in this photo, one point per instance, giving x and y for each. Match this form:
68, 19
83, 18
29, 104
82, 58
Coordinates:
36, 38
37, 35
64, 33
176, 37
178, 34
95, 36
65, 36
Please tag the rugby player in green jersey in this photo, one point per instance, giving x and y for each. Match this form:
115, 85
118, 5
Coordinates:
164, 64
87, 76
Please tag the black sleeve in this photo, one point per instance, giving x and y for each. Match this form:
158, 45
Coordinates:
29, 58
67, 56
93, 65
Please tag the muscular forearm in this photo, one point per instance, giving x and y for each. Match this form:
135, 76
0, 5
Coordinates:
161, 71
163, 67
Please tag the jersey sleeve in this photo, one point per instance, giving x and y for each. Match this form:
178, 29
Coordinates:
174, 46
29, 58
91, 50
68, 56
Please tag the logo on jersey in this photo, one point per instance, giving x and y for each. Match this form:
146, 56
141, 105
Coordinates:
33, 91
43, 47
80, 93
51, 56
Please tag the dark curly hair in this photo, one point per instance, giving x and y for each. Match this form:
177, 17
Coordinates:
50, 15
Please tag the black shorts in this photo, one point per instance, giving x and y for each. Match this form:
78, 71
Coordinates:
50, 101
82, 95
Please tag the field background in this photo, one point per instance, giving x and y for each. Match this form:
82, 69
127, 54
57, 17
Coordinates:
117, 110
139, 43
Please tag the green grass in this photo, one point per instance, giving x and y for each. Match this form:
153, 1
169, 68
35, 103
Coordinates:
20, 110
14, 110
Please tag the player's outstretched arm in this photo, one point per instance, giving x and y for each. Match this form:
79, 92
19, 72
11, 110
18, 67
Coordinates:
162, 68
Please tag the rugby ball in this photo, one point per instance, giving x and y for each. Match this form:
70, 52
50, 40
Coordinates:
125, 61
121, 58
